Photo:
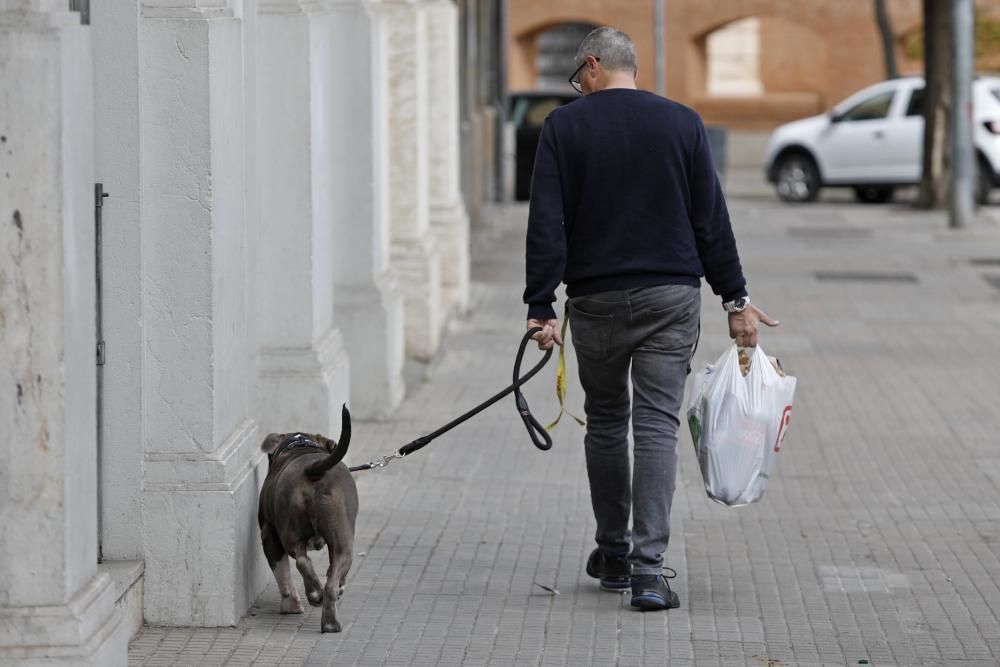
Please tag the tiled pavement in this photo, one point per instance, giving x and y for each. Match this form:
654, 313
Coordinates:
878, 538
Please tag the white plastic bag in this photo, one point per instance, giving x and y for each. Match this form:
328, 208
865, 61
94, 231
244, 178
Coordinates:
738, 423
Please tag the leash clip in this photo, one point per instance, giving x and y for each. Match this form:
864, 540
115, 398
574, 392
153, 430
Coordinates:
383, 461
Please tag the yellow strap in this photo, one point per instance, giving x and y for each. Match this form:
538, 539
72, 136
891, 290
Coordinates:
561, 380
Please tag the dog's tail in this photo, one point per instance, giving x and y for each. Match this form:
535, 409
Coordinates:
315, 471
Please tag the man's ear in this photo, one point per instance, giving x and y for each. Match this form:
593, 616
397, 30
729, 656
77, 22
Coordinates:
271, 442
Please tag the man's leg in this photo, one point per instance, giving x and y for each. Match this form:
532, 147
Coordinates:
604, 377
659, 370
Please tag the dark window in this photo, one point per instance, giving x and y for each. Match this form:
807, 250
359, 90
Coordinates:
873, 108
916, 105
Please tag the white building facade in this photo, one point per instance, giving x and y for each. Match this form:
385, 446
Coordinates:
288, 219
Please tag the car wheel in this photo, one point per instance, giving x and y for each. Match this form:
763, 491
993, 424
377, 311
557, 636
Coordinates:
798, 179
872, 194
983, 184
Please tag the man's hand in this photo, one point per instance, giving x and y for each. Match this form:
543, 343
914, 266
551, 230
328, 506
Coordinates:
743, 326
548, 334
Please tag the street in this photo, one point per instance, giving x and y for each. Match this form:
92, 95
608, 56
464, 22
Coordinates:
877, 539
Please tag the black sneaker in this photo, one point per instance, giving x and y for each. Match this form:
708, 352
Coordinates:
613, 571
651, 592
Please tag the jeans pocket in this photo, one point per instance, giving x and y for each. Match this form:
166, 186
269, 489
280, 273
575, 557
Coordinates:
676, 327
591, 333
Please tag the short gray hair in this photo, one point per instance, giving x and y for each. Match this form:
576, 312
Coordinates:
612, 47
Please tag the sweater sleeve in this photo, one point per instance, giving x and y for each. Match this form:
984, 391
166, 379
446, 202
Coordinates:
546, 238
712, 227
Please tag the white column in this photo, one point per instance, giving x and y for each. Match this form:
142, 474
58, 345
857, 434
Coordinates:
202, 463
448, 218
369, 302
115, 28
55, 609
304, 367
415, 253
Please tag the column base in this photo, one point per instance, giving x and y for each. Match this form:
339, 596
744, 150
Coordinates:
205, 565
371, 317
418, 265
303, 389
451, 228
87, 630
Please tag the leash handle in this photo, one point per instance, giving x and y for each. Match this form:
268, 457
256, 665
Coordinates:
534, 428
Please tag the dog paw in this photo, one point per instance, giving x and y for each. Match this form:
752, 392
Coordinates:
315, 598
328, 621
291, 605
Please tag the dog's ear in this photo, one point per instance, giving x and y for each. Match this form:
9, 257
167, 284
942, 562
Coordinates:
327, 443
271, 442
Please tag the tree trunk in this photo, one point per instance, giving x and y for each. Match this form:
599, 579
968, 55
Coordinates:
888, 40
937, 104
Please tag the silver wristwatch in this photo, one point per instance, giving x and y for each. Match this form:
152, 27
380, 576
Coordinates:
737, 305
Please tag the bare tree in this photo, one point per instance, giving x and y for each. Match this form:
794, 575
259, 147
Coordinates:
937, 107
888, 40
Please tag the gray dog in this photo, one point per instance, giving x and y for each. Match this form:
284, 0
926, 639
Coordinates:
309, 499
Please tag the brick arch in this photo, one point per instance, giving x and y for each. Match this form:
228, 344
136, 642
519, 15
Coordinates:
791, 84
528, 18
720, 19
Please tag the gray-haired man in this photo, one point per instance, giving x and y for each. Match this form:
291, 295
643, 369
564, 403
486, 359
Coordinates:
627, 210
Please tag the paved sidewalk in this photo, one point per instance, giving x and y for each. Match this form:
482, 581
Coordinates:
877, 540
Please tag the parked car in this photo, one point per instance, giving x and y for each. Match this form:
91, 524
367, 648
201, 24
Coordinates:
527, 113
873, 142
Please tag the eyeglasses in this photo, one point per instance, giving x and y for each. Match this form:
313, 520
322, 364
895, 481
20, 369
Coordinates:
574, 78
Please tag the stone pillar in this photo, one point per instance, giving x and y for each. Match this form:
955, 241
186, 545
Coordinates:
415, 253
115, 28
449, 220
304, 367
202, 463
369, 301
55, 609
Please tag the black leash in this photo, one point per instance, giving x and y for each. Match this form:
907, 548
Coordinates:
535, 429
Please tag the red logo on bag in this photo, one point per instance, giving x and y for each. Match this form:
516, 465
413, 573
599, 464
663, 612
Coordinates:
786, 418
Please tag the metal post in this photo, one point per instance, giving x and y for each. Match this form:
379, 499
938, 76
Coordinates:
962, 206
659, 20
501, 99
99, 195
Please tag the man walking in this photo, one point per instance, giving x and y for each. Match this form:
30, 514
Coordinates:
627, 210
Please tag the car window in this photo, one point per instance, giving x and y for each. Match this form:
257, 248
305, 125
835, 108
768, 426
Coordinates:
517, 114
916, 105
873, 108
540, 110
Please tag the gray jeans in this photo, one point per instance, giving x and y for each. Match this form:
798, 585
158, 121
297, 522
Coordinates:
653, 330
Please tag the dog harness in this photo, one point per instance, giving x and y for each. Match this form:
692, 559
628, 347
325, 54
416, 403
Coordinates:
294, 441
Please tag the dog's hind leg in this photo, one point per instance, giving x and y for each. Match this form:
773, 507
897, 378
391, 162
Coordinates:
278, 560
314, 590
331, 593
336, 574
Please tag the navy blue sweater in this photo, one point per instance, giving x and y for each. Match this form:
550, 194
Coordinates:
625, 195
